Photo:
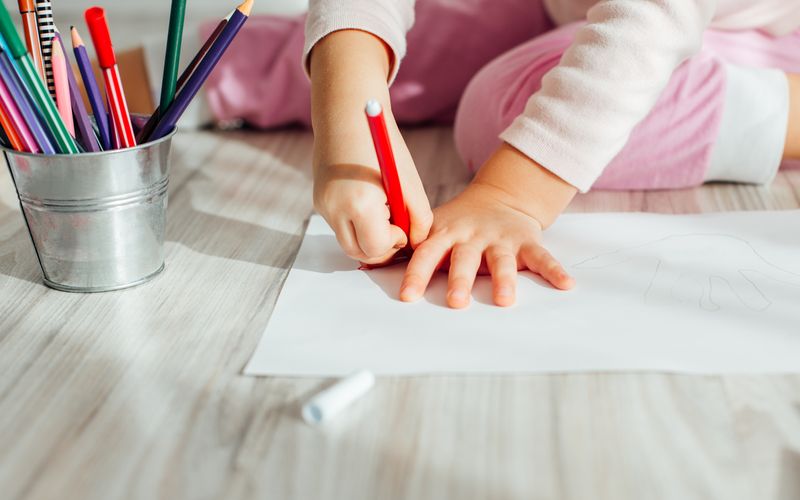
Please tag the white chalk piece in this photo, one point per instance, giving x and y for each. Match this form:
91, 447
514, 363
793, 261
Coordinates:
336, 398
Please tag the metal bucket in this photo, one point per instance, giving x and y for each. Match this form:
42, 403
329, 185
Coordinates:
96, 219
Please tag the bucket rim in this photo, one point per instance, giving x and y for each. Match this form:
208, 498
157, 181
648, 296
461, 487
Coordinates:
95, 154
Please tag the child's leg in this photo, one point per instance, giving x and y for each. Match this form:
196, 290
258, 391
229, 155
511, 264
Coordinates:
450, 42
260, 80
693, 131
792, 148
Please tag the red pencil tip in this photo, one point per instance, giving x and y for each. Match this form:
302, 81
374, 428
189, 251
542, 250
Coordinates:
98, 28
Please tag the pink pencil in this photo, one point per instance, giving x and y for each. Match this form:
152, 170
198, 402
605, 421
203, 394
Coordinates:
61, 80
16, 120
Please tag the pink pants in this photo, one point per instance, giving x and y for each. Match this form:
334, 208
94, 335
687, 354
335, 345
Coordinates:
475, 63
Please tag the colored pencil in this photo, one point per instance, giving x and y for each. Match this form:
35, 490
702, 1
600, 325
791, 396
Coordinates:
47, 30
85, 133
63, 100
145, 131
8, 127
24, 100
27, 9
16, 121
169, 119
389, 176
115, 143
92, 90
34, 85
121, 119
173, 55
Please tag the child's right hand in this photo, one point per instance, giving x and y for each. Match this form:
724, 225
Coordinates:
348, 68
349, 194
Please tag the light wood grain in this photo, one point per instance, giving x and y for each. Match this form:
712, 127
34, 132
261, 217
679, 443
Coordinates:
138, 394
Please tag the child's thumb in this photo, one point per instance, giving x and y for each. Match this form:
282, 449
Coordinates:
399, 238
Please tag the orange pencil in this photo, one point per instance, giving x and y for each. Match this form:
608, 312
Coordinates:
27, 10
8, 128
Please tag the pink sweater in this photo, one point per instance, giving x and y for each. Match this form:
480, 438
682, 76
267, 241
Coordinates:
606, 82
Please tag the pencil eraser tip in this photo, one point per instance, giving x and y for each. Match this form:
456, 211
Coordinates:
373, 108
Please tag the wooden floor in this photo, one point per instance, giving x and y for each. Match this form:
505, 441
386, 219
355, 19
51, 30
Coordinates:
138, 394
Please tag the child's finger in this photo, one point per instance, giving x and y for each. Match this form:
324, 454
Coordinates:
502, 264
346, 236
539, 260
374, 235
397, 235
464, 263
426, 260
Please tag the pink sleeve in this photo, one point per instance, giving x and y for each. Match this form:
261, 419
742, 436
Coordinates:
389, 20
607, 82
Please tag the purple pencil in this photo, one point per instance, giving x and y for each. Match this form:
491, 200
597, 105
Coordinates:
18, 123
24, 101
147, 128
171, 115
89, 82
85, 132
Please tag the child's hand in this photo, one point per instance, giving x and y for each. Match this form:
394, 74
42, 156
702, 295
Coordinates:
348, 67
351, 198
491, 227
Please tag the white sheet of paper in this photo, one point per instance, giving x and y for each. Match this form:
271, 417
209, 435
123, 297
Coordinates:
711, 293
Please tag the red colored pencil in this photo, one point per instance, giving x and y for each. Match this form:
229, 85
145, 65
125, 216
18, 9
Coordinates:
121, 118
389, 176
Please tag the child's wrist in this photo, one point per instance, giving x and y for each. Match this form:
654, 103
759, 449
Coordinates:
528, 186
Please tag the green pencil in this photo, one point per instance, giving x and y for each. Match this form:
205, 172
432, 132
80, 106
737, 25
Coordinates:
173, 55
34, 84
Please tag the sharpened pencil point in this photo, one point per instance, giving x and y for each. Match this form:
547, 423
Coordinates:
57, 54
76, 38
246, 7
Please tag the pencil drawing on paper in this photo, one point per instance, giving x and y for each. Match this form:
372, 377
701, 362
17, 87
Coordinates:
700, 269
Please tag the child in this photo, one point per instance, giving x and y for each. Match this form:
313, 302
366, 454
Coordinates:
549, 97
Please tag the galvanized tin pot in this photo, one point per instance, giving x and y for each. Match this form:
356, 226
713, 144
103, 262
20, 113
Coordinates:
96, 220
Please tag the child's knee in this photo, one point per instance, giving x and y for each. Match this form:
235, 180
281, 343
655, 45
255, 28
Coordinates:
499, 91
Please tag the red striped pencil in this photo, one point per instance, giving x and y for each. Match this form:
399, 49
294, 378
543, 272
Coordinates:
121, 118
391, 180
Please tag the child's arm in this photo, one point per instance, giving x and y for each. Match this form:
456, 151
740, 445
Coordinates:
606, 82
347, 68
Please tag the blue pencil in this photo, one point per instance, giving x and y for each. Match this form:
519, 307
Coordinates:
84, 127
92, 91
169, 119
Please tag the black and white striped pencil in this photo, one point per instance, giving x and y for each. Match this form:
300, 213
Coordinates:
47, 30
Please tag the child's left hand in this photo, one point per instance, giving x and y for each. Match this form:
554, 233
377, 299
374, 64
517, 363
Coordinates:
488, 228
